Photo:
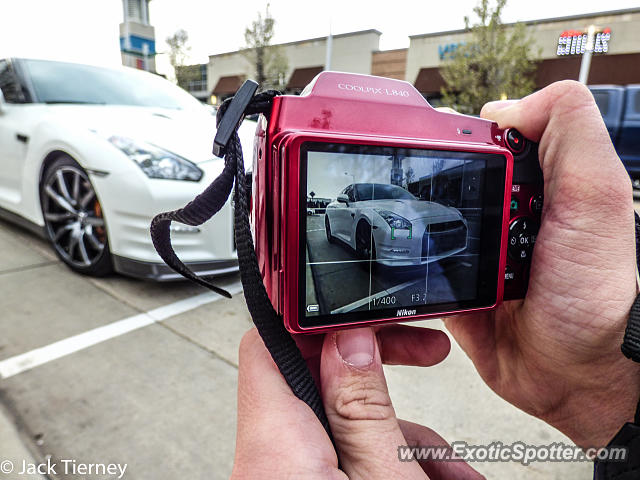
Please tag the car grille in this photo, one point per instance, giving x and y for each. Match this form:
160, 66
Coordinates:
445, 237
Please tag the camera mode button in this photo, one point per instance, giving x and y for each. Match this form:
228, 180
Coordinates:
522, 237
515, 205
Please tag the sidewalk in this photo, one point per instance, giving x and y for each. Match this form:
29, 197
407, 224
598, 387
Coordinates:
13, 452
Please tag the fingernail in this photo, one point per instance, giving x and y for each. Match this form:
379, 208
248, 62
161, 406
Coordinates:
500, 104
356, 346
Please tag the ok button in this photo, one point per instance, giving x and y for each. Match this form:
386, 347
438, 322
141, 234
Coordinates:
522, 237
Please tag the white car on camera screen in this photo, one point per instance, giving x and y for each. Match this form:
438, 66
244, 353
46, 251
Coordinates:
386, 223
88, 155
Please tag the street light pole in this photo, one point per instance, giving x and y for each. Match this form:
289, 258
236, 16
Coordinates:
327, 62
353, 177
585, 65
329, 52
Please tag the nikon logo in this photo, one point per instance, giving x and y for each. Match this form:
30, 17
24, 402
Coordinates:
405, 313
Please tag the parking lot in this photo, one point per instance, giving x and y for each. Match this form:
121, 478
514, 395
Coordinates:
346, 284
122, 371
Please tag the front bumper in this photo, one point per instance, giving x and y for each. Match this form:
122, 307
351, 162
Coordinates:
160, 272
130, 201
419, 246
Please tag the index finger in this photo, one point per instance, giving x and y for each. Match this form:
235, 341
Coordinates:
576, 155
534, 113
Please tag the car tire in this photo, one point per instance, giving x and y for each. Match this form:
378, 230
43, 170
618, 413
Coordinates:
366, 245
327, 229
74, 222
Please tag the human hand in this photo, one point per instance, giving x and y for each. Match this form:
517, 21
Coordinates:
556, 355
280, 437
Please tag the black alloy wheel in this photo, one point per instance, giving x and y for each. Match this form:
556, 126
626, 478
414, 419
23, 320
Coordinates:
73, 218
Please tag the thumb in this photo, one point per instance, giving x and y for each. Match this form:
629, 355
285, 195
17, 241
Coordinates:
358, 406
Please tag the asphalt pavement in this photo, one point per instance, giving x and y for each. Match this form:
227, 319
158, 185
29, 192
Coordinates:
118, 371
344, 283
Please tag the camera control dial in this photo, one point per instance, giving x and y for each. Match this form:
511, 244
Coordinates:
522, 237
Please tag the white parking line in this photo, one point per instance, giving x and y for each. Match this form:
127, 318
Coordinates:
39, 356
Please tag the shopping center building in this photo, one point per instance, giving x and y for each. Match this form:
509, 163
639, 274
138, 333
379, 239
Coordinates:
351, 52
559, 41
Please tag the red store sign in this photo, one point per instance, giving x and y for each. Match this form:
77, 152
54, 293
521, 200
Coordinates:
574, 42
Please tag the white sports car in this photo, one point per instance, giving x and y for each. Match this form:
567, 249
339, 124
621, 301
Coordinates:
388, 224
88, 156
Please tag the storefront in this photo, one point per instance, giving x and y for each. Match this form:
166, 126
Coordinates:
561, 41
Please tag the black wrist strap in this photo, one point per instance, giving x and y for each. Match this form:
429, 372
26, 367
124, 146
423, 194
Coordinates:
281, 346
629, 435
631, 344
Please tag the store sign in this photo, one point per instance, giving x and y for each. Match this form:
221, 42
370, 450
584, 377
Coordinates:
574, 42
448, 50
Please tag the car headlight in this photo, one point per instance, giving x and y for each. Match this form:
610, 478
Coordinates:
394, 220
156, 162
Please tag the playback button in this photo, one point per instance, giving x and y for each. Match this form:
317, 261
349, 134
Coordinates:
536, 204
522, 237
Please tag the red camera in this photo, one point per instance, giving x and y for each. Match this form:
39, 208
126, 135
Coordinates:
369, 206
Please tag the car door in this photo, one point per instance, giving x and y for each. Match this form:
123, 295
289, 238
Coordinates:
14, 136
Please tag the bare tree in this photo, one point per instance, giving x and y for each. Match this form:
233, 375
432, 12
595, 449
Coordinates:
178, 55
268, 61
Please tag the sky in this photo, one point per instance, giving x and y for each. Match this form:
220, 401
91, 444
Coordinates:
87, 30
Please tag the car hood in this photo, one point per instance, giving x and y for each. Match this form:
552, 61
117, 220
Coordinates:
412, 209
186, 133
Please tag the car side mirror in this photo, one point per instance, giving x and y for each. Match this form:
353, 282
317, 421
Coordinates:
342, 198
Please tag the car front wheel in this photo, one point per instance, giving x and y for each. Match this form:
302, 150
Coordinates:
366, 246
73, 218
327, 229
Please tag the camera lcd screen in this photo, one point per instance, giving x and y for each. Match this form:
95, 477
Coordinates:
390, 232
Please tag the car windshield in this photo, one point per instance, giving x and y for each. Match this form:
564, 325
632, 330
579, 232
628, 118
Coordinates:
381, 191
58, 82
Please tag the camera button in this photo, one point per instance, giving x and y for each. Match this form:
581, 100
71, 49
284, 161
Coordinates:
509, 274
522, 238
536, 204
514, 204
515, 141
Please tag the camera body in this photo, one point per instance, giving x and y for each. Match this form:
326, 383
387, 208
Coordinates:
369, 206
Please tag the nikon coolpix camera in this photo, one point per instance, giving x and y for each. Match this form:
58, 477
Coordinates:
369, 206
